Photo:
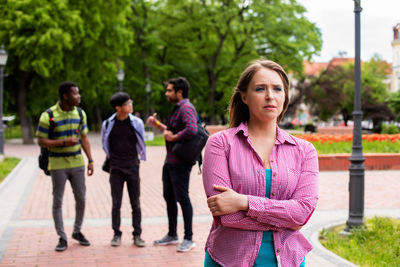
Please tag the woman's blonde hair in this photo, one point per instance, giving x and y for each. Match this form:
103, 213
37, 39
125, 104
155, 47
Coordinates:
239, 111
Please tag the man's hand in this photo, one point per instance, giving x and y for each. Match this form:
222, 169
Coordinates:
170, 136
152, 120
90, 169
227, 202
71, 141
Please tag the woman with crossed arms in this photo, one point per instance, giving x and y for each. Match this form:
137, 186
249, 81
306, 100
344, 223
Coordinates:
261, 182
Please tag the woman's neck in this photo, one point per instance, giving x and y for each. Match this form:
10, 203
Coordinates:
263, 130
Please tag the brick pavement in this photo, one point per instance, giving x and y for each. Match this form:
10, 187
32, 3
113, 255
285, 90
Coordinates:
30, 237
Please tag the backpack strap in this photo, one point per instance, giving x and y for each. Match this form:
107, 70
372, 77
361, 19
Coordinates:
81, 119
52, 124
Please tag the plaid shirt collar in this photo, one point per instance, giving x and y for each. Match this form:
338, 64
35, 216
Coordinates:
183, 101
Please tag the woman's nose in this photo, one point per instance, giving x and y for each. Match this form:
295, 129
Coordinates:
268, 93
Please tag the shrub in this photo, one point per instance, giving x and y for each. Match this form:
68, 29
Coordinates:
390, 129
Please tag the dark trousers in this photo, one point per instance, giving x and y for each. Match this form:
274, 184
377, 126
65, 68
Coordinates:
176, 189
117, 179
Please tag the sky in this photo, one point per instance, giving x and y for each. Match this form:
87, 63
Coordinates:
335, 19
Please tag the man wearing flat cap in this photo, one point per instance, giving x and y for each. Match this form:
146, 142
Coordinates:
123, 141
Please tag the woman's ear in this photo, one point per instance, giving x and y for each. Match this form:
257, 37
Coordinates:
243, 96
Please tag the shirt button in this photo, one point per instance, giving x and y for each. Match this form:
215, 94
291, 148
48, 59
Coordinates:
274, 174
277, 251
273, 194
272, 160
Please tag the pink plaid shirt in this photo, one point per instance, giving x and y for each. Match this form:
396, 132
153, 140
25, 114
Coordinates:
231, 161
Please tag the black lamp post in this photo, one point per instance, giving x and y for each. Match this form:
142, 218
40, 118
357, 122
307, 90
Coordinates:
3, 61
356, 184
148, 90
120, 78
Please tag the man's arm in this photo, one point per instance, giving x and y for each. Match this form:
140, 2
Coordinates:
42, 133
152, 121
45, 142
86, 148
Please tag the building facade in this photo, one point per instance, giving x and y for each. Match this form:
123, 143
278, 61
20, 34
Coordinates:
395, 84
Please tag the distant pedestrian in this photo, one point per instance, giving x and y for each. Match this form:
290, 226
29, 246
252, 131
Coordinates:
123, 141
65, 159
261, 182
181, 125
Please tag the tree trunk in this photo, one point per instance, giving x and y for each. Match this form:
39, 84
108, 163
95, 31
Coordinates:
99, 119
211, 97
22, 92
346, 116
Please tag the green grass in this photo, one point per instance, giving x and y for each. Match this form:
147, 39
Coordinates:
6, 166
157, 141
368, 147
13, 132
375, 244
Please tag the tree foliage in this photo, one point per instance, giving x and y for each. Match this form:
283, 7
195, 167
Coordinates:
394, 104
210, 42
52, 41
207, 41
332, 92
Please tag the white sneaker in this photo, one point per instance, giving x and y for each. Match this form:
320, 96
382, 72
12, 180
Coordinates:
186, 245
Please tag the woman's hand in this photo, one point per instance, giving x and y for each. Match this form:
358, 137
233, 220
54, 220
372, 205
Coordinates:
227, 202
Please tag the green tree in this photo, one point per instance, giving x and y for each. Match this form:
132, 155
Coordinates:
95, 59
145, 63
394, 104
49, 42
211, 41
332, 92
36, 33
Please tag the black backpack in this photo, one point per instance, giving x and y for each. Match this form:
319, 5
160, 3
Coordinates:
189, 151
44, 152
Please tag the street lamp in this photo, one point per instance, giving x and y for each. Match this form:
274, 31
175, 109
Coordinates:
3, 61
120, 78
356, 183
148, 90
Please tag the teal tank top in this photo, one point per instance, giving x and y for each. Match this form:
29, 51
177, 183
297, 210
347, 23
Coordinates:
266, 255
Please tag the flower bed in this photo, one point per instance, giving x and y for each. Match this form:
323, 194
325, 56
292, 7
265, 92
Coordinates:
381, 151
329, 138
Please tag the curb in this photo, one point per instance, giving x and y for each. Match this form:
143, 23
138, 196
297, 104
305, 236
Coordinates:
324, 252
12, 173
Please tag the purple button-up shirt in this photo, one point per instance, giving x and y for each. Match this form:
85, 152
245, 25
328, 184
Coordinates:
231, 161
182, 121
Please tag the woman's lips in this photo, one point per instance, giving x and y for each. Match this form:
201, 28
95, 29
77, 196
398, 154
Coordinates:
269, 106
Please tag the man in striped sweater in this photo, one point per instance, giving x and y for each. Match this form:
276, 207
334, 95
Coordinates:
63, 130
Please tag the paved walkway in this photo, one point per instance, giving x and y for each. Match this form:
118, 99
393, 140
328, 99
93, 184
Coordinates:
28, 238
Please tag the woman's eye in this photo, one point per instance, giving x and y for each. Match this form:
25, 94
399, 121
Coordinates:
278, 89
259, 88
